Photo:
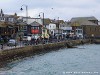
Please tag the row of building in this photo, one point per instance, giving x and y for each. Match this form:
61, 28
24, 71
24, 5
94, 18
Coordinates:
18, 26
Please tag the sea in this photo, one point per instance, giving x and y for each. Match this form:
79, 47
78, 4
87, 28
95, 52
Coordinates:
82, 60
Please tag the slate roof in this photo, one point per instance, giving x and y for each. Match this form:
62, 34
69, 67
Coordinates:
67, 24
47, 21
86, 22
21, 23
83, 22
83, 18
2, 24
59, 21
35, 24
8, 16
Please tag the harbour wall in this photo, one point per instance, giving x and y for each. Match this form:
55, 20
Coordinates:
21, 52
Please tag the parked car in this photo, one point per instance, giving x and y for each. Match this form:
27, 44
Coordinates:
1, 41
58, 36
12, 42
24, 38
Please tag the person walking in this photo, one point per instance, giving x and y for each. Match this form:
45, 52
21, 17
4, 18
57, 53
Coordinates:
2, 46
2, 42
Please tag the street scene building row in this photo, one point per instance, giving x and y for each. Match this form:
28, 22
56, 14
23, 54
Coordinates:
13, 26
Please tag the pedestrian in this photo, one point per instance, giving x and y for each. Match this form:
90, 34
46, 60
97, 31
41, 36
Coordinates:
29, 40
2, 46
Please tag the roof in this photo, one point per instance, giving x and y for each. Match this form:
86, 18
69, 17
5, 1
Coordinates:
6, 15
35, 24
2, 24
67, 24
82, 22
5, 24
83, 18
47, 21
29, 17
59, 21
21, 23
10, 16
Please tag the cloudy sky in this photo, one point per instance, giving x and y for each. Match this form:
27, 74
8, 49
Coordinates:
64, 9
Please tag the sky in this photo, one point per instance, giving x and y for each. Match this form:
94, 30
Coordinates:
64, 9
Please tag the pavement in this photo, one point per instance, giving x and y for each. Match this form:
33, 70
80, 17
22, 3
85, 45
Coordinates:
5, 47
20, 44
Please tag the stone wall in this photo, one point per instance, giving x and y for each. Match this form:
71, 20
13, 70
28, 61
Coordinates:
16, 53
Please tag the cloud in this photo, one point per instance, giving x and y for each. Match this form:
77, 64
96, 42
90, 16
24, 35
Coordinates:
64, 9
31, 12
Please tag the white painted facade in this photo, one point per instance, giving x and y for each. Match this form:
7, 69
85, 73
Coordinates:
52, 28
79, 33
66, 28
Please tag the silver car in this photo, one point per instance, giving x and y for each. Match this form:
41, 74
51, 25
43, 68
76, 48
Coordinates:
12, 42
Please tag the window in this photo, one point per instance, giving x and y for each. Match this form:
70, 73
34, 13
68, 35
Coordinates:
24, 28
2, 18
34, 27
79, 31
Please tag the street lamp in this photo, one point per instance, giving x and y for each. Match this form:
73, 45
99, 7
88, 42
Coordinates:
43, 17
26, 11
58, 25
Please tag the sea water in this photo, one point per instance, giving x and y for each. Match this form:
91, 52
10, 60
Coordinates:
83, 60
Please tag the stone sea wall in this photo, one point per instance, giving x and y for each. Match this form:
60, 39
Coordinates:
16, 53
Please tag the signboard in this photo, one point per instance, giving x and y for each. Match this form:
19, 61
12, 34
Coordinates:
34, 31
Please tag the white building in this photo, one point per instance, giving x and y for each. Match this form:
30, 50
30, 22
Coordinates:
66, 28
52, 28
7, 18
30, 20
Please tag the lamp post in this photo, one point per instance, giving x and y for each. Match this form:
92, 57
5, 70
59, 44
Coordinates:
26, 11
26, 18
43, 25
58, 25
43, 17
58, 29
